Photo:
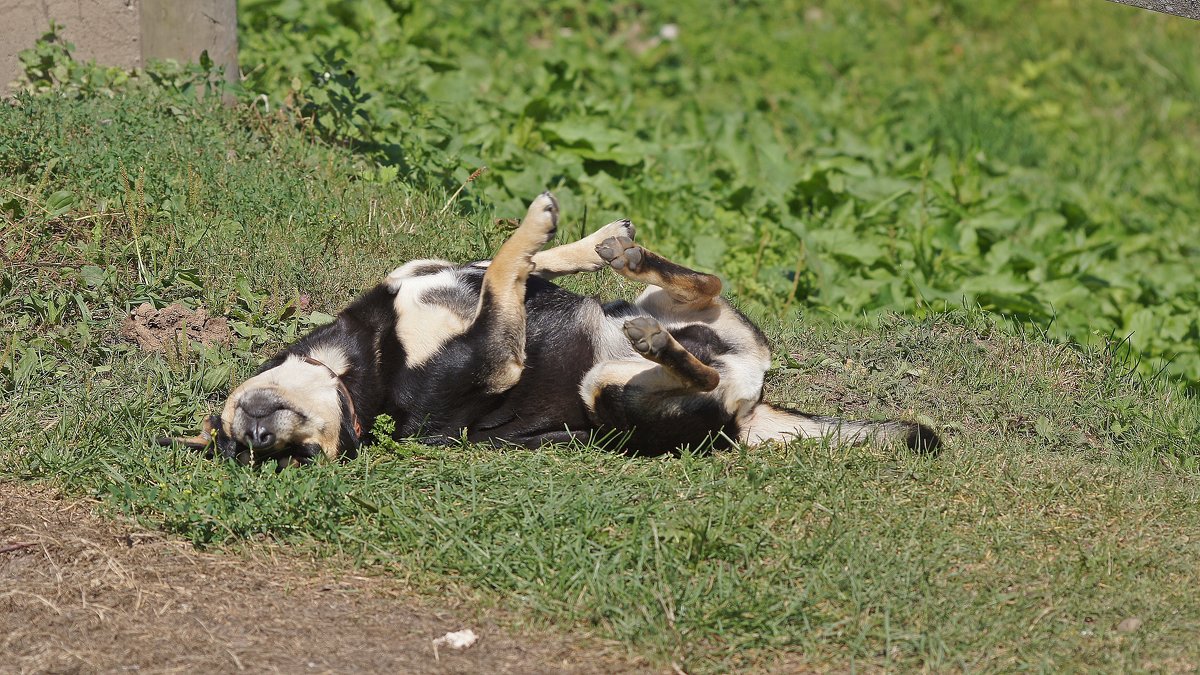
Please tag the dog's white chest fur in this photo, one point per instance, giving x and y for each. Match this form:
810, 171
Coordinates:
432, 307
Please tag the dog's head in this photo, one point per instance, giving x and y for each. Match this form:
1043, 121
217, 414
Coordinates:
292, 411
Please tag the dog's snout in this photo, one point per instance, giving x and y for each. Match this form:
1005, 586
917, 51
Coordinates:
262, 408
260, 403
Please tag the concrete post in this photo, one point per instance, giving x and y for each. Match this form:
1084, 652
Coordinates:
122, 33
182, 29
1188, 8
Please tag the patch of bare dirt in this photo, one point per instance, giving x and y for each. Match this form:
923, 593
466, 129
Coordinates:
83, 594
160, 330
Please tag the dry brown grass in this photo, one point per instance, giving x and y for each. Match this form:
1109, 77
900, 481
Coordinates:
81, 594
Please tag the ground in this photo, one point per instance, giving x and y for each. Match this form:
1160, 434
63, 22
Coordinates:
83, 594
158, 330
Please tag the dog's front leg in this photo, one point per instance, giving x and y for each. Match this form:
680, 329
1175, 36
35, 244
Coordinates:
499, 324
580, 256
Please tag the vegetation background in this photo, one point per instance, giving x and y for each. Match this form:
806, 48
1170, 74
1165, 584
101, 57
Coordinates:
1034, 168
846, 159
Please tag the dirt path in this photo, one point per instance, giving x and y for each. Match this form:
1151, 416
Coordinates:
83, 594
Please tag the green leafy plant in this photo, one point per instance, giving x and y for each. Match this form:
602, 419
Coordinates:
812, 169
49, 66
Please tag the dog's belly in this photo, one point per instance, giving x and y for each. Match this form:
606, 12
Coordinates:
440, 397
546, 399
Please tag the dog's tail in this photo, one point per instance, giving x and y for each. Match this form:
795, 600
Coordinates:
767, 422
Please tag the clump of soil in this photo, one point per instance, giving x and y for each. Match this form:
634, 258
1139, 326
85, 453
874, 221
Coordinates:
161, 330
82, 594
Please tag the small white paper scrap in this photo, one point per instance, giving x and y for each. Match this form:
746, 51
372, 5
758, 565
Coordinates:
460, 639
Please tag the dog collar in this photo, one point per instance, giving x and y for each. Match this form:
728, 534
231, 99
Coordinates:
358, 429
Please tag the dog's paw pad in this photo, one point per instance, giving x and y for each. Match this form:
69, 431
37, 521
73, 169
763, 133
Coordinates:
621, 253
646, 335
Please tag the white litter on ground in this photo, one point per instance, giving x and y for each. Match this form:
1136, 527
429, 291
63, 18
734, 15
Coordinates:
460, 639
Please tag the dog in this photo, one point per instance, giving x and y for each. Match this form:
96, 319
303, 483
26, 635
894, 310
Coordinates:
495, 352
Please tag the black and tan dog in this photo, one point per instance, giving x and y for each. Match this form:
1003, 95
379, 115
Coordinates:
495, 352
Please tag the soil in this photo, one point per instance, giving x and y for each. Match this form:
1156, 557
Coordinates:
83, 594
160, 330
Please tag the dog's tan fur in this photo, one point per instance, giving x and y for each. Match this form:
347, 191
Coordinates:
579, 256
502, 299
306, 387
423, 327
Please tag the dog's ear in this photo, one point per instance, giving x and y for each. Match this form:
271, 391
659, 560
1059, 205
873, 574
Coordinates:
202, 441
350, 436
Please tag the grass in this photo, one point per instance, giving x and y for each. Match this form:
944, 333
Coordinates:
1064, 505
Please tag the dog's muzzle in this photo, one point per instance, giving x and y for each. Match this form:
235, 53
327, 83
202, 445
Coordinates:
264, 416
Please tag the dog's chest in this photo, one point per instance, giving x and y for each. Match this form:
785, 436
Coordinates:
432, 309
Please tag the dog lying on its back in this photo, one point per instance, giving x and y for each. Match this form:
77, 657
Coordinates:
494, 352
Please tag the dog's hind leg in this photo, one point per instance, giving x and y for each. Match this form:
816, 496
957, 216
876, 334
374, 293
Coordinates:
770, 423
579, 256
679, 297
688, 288
668, 369
660, 402
499, 320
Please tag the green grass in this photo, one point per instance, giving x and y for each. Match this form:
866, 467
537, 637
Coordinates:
1063, 506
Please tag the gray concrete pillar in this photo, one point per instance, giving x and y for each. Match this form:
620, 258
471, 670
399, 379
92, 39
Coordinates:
122, 33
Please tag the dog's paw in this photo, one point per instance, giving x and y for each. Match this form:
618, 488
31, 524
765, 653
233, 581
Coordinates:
542, 218
621, 253
647, 336
617, 228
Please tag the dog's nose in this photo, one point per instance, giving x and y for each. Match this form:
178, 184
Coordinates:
260, 435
